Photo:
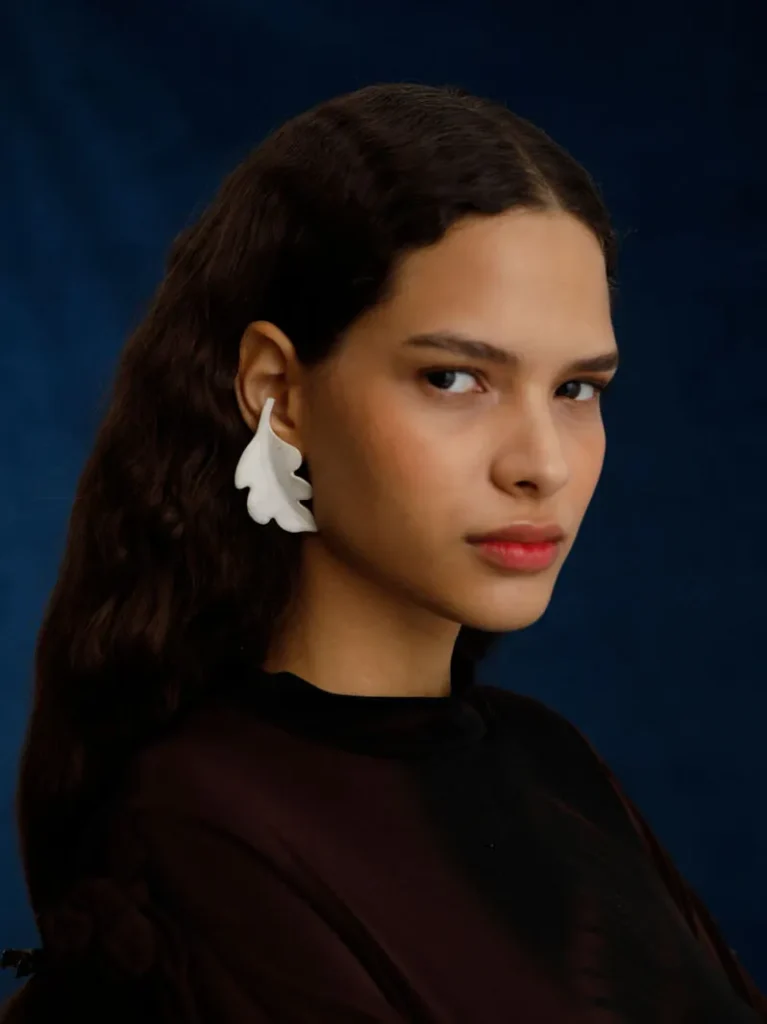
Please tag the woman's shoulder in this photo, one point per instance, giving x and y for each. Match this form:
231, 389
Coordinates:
185, 800
537, 724
561, 761
569, 756
214, 747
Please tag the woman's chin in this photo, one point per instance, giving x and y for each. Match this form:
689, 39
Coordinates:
505, 609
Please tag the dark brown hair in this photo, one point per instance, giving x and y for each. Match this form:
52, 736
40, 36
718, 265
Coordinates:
166, 584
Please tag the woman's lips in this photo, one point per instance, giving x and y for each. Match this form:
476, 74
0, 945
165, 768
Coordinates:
519, 556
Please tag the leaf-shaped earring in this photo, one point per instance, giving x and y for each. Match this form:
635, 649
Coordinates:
267, 467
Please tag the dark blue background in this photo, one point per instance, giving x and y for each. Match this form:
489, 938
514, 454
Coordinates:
119, 121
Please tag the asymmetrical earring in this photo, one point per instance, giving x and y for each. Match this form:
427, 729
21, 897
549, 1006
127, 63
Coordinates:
267, 467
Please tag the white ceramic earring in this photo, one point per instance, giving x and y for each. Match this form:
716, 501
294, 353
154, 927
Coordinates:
267, 467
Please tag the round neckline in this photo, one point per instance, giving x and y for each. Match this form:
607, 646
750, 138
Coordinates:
396, 726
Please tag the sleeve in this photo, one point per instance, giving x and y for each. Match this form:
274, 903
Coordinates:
259, 947
694, 911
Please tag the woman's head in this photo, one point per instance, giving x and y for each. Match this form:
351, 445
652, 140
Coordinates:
414, 446
391, 213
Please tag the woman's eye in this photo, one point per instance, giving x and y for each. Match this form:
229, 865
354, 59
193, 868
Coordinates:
446, 379
595, 387
443, 380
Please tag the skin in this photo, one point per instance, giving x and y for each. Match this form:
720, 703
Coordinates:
405, 467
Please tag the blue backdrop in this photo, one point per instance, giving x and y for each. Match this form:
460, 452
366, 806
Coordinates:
119, 121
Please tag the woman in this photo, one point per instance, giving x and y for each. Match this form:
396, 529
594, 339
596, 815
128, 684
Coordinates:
260, 782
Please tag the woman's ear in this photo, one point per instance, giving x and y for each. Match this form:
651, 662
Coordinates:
267, 361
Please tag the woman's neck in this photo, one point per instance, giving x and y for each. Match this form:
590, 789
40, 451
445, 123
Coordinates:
346, 633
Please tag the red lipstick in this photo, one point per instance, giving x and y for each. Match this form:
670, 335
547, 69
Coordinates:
524, 547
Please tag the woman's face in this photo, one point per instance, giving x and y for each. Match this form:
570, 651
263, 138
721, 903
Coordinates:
412, 448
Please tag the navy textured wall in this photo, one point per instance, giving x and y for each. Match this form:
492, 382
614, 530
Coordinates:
119, 120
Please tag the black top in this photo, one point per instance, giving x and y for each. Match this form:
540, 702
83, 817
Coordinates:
297, 856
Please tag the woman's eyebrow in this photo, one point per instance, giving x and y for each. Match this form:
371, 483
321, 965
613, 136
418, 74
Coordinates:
472, 348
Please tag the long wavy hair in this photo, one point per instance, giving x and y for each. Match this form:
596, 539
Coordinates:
166, 583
